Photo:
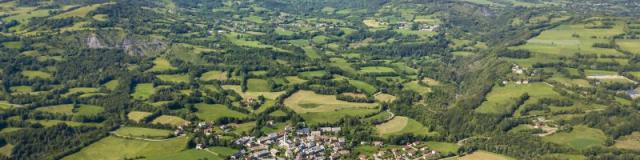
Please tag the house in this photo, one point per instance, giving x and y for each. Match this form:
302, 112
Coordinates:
378, 143
316, 133
200, 146
225, 127
261, 153
303, 131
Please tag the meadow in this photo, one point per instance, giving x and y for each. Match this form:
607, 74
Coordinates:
258, 85
112, 85
364, 86
175, 78
484, 155
213, 75
308, 101
170, 120
37, 75
83, 109
443, 147
137, 116
250, 94
213, 112
161, 64
312, 74
376, 69
80, 90
500, 99
143, 132
580, 138
113, 148
629, 142
143, 91
400, 125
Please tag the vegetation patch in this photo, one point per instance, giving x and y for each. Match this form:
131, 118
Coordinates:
143, 91
325, 103
258, 85
138, 116
37, 75
485, 155
629, 142
213, 112
175, 78
376, 69
170, 120
143, 132
580, 137
161, 64
70, 109
500, 99
400, 125
113, 148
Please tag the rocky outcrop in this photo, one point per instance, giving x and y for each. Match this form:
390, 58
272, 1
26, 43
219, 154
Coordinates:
132, 45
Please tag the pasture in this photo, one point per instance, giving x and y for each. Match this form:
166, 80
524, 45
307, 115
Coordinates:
175, 78
443, 147
572, 38
69, 109
376, 69
79, 12
400, 125
113, 148
49, 123
629, 45
143, 132
417, 87
80, 90
484, 155
161, 64
629, 142
170, 120
37, 75
214, 75
213, 112
363, 86
112, 85
312, 74
499, 100
137, 116
580, 138
143, 91
258, 85
249, 94
308, 101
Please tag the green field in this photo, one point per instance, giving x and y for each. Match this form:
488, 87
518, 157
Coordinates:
112, 85
83, 109
170, 120
219, 153
143, 91
500, 99
175, 78
376, 69
37, 75
312, 74
581, 138
484, 155
80, 90
161, 64
21, 89
213, 112
308, 101
249, 94
214, 75
137, 116
7, 105
49, 123
629, 142
284, 32
143, 132
364, 86
629, 45
400, 125
561, 40
258, 85
417, 87
113, 148
80, 12
443, 147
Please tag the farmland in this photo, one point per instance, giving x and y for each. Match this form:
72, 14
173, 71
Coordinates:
112, 148
214, 112
402, 125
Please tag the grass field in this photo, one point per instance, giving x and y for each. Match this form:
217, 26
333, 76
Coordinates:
417, 87
213, 112
379, 117
484, 155
284, 32
6, 150
237, 89
80, 90
400, 125
629, 142
214, 75
80, 12
83, 109
364, 86
343, 65
49, 123
219, 153
315, 118
443, 147
561, 40
171, 120
37, 75
308, 101
144, 132
21, 89
312, 74
311, 52
143, 91
113, 148
137, 116
161, 64
175, 78
258, 85
581, 138
112, 85
500, 99
376, 69
629, 45
7, 105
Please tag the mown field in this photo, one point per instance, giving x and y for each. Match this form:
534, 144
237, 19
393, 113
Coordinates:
580, 138
69, 109
213, 112
400, 125
500, 99
143, 132
113, 148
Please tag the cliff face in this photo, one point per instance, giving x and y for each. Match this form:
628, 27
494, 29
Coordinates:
132, 45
